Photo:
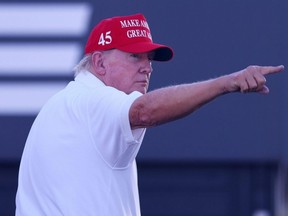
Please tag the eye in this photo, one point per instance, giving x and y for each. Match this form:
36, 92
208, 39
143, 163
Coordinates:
151, 56
142, 56
134, 55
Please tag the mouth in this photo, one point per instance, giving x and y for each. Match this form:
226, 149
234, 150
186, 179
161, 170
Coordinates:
143, 82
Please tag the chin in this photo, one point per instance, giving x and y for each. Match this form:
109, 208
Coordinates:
143, 91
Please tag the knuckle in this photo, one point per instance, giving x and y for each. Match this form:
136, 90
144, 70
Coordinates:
253, 68
243, 87
262, 81
253, 86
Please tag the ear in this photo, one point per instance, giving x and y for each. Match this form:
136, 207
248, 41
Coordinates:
97, 63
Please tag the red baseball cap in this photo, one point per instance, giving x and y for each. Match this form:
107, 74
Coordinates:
126, 33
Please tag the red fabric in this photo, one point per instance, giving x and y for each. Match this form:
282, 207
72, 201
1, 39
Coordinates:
127, 33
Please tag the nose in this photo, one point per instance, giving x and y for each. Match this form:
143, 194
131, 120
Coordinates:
146, 67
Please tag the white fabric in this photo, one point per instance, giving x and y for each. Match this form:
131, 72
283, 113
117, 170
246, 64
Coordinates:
79, 158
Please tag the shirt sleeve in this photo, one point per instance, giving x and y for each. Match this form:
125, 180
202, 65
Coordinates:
108, 120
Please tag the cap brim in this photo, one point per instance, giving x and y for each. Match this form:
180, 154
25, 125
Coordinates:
162, 52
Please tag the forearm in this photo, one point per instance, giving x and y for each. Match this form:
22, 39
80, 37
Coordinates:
171, 103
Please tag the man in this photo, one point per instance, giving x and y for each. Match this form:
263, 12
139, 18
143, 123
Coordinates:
79, 158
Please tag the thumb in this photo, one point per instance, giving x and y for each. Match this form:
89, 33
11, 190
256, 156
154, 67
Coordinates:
265, 90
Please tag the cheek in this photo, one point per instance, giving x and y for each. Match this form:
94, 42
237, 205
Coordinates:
126, 73
122, 78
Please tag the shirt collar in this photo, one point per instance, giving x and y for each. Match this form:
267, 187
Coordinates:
88, 79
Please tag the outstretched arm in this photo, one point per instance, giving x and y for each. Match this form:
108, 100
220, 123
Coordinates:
171, 103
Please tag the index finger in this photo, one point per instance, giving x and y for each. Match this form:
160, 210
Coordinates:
271, 69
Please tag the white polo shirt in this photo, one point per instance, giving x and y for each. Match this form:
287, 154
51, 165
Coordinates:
79, 158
